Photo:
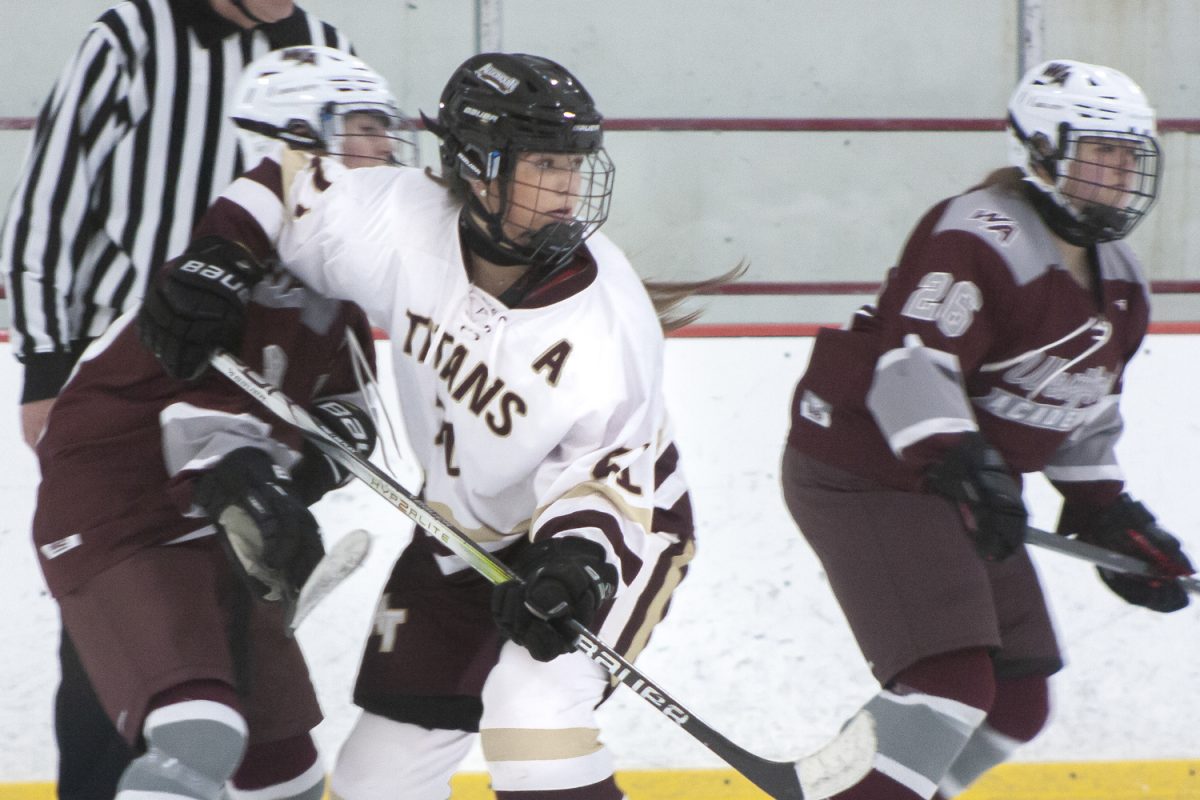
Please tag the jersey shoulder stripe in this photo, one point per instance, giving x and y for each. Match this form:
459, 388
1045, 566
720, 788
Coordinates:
1008, 225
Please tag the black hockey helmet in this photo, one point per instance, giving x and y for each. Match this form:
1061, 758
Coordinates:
495, 107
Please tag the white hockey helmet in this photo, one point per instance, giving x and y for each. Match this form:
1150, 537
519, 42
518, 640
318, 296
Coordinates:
1057, 106
305, 96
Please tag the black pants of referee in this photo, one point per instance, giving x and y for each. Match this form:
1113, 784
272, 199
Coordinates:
91, 754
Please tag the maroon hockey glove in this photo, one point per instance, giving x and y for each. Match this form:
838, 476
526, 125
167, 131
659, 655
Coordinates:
1128, 527
565, 577
198, 304
274, 540
975, 477
317, 473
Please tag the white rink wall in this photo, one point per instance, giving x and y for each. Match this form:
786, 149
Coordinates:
800, 206
754, 643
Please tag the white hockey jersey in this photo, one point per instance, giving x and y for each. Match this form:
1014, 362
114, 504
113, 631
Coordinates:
528, 421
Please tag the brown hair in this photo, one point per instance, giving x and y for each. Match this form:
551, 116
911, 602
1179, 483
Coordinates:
1010, 178
668, 296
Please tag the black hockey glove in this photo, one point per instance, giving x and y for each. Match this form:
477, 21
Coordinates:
975, 477
274, 539
559, 578
198, 305
317, 473
1128, 527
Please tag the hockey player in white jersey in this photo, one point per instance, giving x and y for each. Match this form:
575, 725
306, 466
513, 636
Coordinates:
528, 361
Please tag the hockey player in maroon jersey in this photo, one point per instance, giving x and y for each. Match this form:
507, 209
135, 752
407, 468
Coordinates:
998, 348
165, 505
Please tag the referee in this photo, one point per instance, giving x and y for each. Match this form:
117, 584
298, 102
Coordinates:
128, 151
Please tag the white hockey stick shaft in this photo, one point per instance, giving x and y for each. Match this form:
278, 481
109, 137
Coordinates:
1100, 556
832, 769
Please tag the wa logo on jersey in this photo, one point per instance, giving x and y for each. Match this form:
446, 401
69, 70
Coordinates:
1002, 227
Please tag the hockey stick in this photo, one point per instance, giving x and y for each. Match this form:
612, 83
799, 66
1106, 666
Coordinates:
342, 559
1101, 556
834, 768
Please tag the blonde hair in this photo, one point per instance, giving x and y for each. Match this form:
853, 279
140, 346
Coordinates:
668, 296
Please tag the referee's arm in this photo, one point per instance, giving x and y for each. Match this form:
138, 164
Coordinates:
76, 132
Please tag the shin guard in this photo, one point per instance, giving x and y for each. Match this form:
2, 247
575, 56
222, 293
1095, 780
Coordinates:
923, 720
1019, 713
192, 748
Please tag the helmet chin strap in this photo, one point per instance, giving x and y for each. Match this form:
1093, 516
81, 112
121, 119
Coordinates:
241, 6
1062, 222
483, 243
482, 231
554, 243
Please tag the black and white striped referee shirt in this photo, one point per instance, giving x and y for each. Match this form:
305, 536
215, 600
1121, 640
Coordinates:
129, 150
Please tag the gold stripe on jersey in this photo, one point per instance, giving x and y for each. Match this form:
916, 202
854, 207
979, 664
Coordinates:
616, 498
656, 609
481, 534
536, 744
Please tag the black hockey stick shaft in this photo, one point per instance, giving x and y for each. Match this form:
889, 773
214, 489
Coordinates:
779, 779
1100, 556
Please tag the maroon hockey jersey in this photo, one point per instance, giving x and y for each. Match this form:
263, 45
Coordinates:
980, 327
124, 440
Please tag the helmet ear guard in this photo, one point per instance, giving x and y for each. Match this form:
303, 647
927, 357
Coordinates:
475, 165
465, 161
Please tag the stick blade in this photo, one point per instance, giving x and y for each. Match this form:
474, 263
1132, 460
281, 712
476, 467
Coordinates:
342, 559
